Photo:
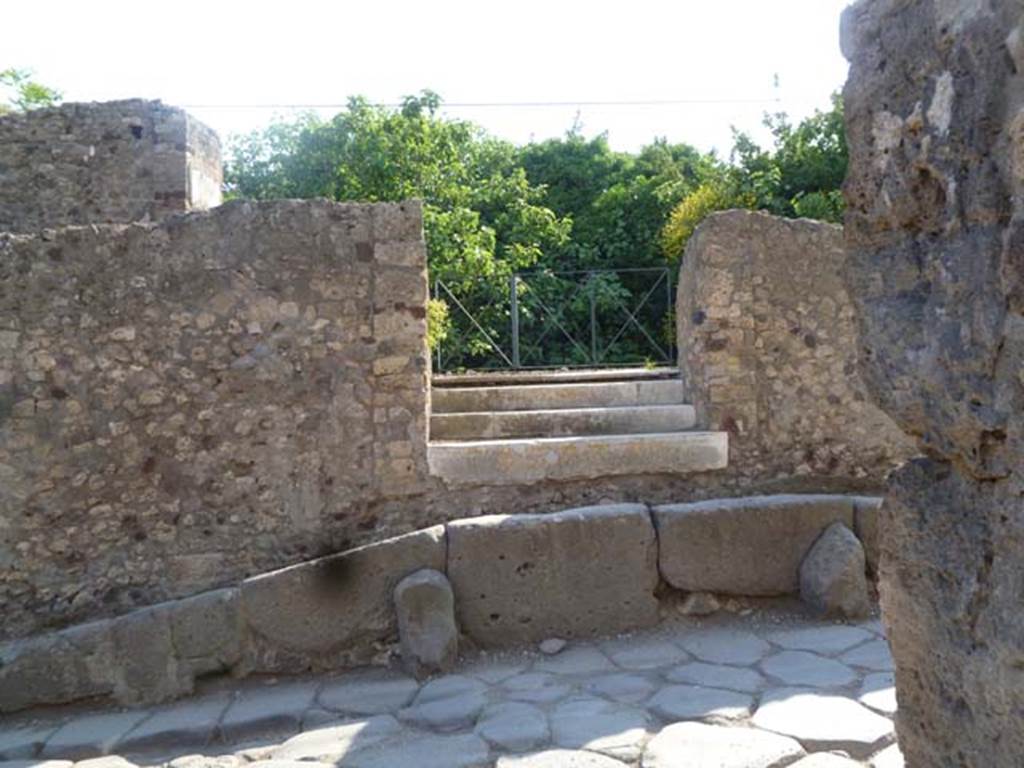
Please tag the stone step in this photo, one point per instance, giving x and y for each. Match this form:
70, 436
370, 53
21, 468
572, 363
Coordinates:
562, 422
511, 462
506, 378
525, 397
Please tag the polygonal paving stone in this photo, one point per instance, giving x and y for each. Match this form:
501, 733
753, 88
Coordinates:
331, 744
205, 761
803, 668
692, 702
695, 745
879, 692
368, 694
822, 721
601, 726
514, 726
825, 760
643, 653
717, 676
282, 764
874, 655
494, 672
890, 757
35, 764
559, 758
91, 736
625, 687
726, 646
107, 761
271, 709
449, 714
827, 640
423, 751
320, 718
447, 703
537, 687
188, 724
24, 741
576, 660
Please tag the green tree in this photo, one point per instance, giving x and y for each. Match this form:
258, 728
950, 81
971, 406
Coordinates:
22, 93
801, 174
483, 218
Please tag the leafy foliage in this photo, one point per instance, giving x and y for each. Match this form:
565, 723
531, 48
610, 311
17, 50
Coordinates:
24, 93
800, 175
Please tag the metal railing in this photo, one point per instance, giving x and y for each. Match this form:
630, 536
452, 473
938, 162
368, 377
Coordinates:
545, 319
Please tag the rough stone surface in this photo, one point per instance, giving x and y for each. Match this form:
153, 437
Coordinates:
576, 573
367, 694
559, 758
423, 751
717, 676
695, 745
694, 702
425, 606
189, 402
191, 725
767, 350
337, 609
335, 742
91, 736
823, 722
804, 668
699, 604
743, 546
832, 575
272, 709
834, 639
616, 730
121, 161
514, 726
934, 232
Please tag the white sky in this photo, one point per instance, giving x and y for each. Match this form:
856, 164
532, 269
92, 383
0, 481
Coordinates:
301, 51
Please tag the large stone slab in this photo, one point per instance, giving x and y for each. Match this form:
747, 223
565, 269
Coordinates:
91, 736
581, 572
744, 546
190, 724
695, 745
601, 726
332, 611
823, 722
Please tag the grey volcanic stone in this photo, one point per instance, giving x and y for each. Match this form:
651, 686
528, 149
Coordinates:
832, 575
559, 758
332, 611
823, 722
825, 760
726, 646
447, 703
334, 743
24, 741
423, 751
643, 653
699, 604
866, 510
551, 646
582, 572
206, 630
746, 546
147, 666
934, 240
368, 694
91, 736
873, 655
601, 726
694, 702
827, 640
695, 745
717, 676
536, 687
803, 668
577, 660
624, 687
879, 692
188, 724
271, 709
425, 606
513, 726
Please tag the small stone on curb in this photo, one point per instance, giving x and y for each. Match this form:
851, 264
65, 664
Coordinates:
552, 645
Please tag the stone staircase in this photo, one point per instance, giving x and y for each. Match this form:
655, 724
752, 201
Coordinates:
523, 428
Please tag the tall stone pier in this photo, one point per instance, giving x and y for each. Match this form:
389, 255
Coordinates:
935, 121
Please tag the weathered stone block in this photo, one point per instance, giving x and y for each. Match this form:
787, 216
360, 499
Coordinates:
832, 579
581, 572
146, 669
206, 630
57, 668
865, 525
745, 546
425, 606
336, 609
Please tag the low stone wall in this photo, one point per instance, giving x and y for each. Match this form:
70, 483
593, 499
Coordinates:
186, 403
119, 161
768, 352
516, 579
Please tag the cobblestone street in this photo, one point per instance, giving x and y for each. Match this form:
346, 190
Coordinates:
762, 690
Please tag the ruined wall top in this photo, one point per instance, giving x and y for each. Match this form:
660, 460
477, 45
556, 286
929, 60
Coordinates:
118, 161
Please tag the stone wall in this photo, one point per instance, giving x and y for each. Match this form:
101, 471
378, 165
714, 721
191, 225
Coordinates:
120, 161
935, 236
768, 353
189, 402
